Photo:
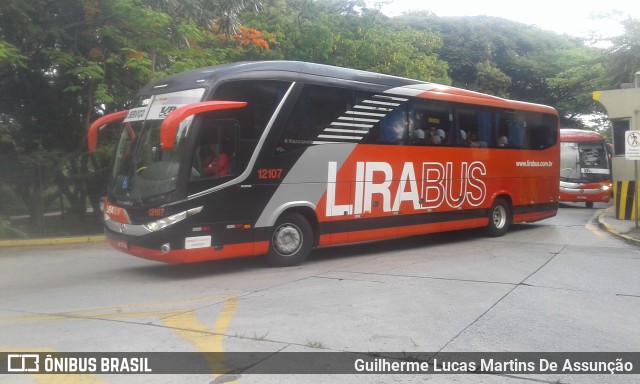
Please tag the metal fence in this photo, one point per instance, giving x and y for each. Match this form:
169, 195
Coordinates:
49, 198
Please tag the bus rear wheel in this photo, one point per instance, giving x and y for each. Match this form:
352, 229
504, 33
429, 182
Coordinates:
291, 240
499, 218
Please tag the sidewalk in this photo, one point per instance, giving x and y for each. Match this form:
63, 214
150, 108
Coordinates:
624, 229
53, 241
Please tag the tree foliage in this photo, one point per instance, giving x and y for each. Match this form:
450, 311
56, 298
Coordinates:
344, 33
64, 63
625, 53
517, 61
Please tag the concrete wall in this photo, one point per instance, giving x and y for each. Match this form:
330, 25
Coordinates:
622, 104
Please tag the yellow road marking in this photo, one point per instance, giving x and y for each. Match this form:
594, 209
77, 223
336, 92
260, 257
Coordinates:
115, 312
203, 338
185, 323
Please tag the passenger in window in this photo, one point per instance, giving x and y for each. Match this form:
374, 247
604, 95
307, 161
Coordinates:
463, 138
418, 137
474, 141
503, 141
433, 137
442, 135
214, 163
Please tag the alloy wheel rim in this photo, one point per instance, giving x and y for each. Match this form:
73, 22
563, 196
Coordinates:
287, 239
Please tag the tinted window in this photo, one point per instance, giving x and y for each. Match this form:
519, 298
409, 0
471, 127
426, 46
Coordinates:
319, 116
388, 118
262, 98
430, 123
216, 150
476, 127
485, 128
511, 129
542, 130
619, 129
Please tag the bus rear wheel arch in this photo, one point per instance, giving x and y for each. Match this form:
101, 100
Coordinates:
291, 240
499, 217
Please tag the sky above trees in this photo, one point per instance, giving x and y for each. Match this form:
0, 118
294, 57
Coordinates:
579, 18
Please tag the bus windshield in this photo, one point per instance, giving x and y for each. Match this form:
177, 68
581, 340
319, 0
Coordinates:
142, 169
583, 161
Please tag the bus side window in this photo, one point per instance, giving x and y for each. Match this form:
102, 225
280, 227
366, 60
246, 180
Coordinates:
215, 153
262, 98
393, 128
430, 123
510, 127
316, 108
517, 134
476, 126
542, 131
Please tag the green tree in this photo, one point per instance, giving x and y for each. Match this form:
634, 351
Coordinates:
581, 71
625, 54
490, 79
346, 33
64, 63
517, 61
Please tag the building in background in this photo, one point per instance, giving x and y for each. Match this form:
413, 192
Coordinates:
623, 108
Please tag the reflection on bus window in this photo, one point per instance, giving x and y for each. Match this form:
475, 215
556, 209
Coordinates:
393, 128
215, 154
430, 123
316, 108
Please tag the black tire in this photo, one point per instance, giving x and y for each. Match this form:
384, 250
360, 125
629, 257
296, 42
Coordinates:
589, 204
291, 240
499, 218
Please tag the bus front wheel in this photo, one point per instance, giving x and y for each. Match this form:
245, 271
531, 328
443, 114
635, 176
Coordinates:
291, 240
499, 218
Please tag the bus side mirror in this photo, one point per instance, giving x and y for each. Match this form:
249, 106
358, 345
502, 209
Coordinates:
170, 125
92, 134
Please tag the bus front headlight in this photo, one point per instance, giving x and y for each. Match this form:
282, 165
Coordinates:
170, 220
165, 222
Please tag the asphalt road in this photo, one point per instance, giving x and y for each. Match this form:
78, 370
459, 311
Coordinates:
557, 285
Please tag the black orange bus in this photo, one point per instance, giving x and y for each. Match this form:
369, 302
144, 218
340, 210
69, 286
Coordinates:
276, 158
585, 172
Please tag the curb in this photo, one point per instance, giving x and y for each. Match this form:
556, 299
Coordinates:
609, 228
53, 241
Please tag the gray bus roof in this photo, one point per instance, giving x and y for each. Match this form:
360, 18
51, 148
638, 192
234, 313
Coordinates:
276, 70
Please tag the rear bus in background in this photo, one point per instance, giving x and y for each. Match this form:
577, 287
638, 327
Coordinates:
585, 172
276, 158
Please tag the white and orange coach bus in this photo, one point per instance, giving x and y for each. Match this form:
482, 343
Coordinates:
585, 173
276, 158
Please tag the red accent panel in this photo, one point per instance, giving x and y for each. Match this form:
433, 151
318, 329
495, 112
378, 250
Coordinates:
193, 255
373, 234
567, 134
325, 240
92, 134
116, 213
170, 125
577, 197
260, 248
461, 96
531, 217
410, 230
